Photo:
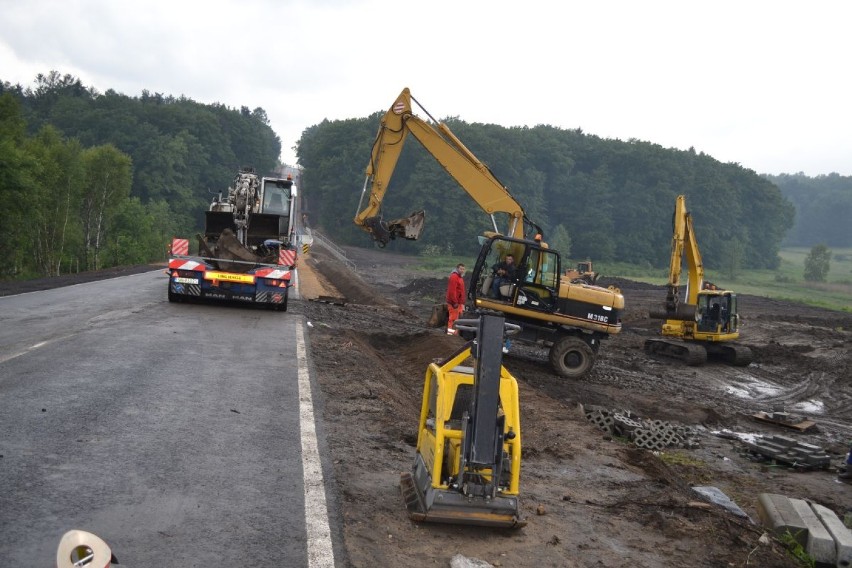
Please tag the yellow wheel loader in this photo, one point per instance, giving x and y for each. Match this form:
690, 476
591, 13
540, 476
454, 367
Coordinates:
468, 462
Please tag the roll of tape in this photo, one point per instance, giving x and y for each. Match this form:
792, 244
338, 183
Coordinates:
77, 546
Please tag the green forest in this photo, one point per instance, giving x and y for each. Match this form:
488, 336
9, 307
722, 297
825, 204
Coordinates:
92, 180
603, 199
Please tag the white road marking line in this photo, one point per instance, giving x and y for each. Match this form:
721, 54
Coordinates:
320, 551
296, 284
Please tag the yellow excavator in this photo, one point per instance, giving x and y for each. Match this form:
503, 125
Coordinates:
468, 463
570, 318
704, 323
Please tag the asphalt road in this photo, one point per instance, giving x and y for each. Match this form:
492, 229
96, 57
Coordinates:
172, 431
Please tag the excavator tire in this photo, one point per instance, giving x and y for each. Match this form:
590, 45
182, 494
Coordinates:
571, 357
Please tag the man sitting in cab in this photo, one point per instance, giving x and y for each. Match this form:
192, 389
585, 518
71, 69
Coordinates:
505, 273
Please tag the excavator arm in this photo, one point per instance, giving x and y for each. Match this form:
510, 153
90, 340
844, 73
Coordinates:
684, 245
472, 175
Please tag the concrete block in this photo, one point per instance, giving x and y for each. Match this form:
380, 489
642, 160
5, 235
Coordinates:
777, 514
782, 440
842, 536
765, 449
820, 544
818, 459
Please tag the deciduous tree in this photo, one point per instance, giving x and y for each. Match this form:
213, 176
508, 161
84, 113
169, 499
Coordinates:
817, 264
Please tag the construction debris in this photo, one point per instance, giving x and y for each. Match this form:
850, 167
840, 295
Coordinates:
789, 451
785, 419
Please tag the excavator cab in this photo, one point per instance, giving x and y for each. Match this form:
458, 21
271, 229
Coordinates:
717, 312
535, 283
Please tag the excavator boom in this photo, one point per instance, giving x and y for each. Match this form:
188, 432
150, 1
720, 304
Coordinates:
463, 166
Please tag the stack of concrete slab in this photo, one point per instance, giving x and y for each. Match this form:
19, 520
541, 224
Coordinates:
820, 532
790, 451
644, 433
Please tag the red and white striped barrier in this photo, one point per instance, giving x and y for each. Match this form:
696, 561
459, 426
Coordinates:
180, 246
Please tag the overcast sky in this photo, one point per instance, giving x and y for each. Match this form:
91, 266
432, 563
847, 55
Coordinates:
766, 84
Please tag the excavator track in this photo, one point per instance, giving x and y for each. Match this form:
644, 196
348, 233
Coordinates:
736, 355
692, 354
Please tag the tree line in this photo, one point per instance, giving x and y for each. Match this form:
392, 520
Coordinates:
595, 198
823, 208
91, 180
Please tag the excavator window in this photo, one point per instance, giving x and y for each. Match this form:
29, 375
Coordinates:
274, 201
543, 268
540, 280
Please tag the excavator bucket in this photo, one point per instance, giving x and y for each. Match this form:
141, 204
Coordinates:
408, 227
228, 253
678, 312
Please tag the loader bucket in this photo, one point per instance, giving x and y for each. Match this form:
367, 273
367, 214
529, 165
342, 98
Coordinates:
446, 506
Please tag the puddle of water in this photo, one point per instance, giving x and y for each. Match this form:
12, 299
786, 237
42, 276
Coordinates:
810, 406
743, 436
751, 387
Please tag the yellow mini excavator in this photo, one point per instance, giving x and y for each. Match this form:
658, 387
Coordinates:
706, 323
468, 462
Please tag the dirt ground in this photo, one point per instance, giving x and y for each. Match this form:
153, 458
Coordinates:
590, 499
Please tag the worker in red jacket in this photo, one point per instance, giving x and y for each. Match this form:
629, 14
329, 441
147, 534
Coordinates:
455, 297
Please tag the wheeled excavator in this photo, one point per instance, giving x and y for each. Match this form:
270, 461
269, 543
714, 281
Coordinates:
468, 461
569, 318
705, 322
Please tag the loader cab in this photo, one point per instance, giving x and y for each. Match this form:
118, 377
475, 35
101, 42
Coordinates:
536, 282
717, 311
